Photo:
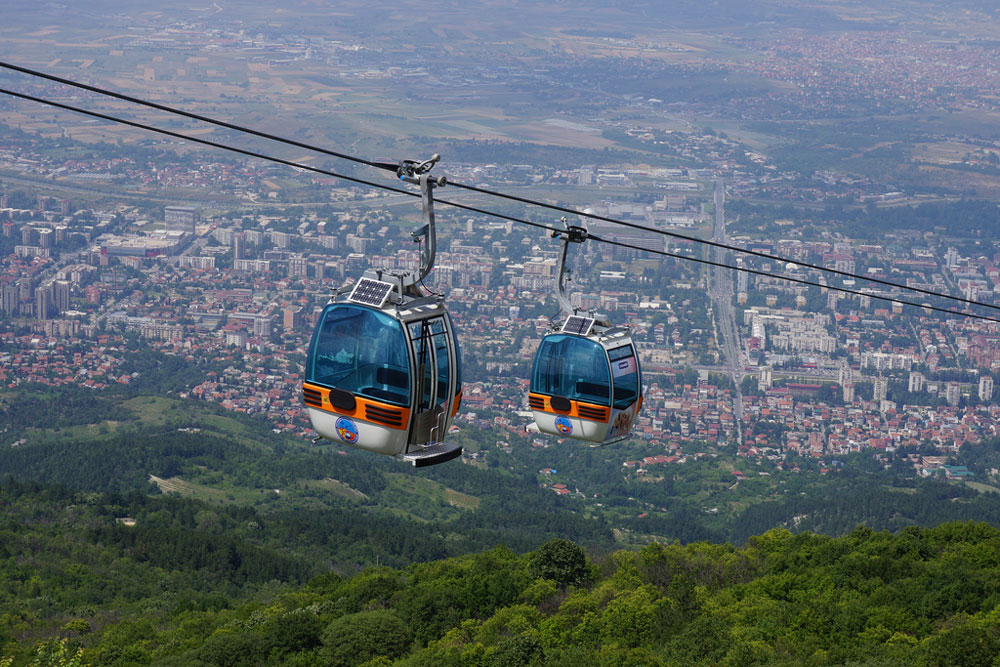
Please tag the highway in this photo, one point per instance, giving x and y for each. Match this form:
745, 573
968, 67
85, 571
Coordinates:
720, 291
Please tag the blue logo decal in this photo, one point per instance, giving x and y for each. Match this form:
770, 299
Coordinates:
564, 425
347, 430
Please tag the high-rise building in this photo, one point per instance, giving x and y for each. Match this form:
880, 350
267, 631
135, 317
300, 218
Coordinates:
43, 302
180, 219
10, 298
60, 296
916, 383
239, 246
298, 267
45, 236
953, 393
985, 388
881, 389
291, 318
262, 326
766, 379
849, 393
280, 239
238, 338
951, 258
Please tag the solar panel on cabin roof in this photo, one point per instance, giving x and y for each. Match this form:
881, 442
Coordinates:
371, 292
577, 325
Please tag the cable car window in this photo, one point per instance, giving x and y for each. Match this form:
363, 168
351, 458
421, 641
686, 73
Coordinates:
430, 344
362, 351
458, 359
625, 374
573, 367
443, 367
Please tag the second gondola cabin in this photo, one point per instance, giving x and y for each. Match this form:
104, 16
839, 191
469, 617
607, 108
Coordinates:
586, 382
383, 372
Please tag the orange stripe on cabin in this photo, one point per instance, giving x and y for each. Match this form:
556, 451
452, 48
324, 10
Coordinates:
592, 411
361, 411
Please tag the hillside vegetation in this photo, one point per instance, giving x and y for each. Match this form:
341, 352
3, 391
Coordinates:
920, 597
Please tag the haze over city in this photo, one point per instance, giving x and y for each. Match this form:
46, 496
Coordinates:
827, 360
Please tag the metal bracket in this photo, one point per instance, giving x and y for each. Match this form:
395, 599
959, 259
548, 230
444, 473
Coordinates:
572, 234
411, 170
418, 173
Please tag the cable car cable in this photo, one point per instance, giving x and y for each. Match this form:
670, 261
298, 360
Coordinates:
262, 156
486, 191
802, 281
716, 244
473, 209
206, 142
193, 116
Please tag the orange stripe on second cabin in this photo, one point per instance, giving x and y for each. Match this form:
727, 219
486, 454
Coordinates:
590, 412
365, 409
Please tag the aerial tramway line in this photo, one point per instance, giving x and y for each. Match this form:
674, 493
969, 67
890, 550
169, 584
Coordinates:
383, 369
585, 381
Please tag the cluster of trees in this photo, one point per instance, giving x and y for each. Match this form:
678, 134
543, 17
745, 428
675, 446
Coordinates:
920, 597
239, 460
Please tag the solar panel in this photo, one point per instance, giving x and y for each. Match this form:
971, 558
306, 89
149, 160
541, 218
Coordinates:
578, 325
371, 292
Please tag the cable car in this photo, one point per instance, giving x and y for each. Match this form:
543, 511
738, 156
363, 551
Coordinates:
383, 369
586, 382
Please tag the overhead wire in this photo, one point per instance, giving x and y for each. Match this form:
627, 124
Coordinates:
723, 246
188, 114
473, 209
490, 192
793, 279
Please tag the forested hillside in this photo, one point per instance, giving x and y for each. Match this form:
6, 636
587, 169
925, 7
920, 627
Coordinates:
152, 530
921, 597
120, 443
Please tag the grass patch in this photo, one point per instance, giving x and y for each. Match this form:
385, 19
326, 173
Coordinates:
159, 411
982, 488
424, 498
209, 494
337, 488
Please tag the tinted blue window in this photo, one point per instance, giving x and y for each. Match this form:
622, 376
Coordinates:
362, 351
573, 367
625, 375
458, 358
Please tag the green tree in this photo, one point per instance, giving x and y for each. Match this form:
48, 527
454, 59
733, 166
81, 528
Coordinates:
353, 639
561, 561
518, 651
965, 644
56, 653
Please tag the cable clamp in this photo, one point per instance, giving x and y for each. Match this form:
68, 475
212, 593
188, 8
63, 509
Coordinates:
411, 170
572, 233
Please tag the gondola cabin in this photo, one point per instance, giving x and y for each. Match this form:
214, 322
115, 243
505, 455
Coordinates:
383, 372
586, 382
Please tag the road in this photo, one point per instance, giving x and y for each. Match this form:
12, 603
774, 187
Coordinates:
720, 291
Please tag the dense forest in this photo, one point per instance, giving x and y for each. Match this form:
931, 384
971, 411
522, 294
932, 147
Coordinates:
144, 529
180, 587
